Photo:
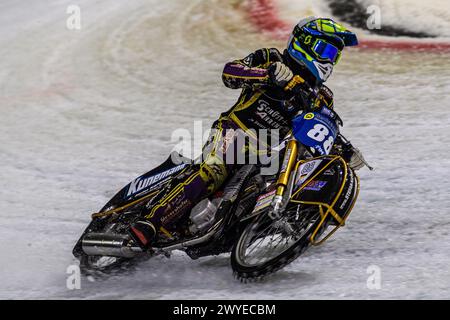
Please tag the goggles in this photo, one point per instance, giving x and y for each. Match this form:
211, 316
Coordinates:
326, 51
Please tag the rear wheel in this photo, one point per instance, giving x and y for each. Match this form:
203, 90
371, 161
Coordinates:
102, 264
267, 245
107, 235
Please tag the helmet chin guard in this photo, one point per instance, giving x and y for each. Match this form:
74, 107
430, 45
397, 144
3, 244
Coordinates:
324, 70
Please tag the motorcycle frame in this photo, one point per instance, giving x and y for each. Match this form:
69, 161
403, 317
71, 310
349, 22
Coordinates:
125, 206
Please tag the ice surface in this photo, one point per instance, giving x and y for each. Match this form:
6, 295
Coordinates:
83, 112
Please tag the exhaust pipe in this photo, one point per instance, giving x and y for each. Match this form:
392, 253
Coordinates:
112, 245
116, 245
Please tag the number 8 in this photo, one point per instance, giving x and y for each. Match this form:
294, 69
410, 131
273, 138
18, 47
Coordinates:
318, 133
327, 145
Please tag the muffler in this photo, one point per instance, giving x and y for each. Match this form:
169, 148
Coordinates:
111, 245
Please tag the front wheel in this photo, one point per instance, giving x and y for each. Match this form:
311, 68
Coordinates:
267, 245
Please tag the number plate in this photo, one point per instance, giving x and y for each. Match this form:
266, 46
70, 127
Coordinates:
316, 130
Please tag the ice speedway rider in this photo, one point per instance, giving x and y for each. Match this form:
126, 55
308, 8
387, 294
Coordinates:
314, 47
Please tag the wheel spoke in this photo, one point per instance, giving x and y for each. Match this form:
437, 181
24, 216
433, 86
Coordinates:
264, 243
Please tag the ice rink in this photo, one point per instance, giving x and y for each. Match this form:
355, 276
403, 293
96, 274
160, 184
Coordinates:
83, 112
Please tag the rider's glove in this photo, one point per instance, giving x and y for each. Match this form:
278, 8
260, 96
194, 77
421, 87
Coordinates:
280, 74
356, 161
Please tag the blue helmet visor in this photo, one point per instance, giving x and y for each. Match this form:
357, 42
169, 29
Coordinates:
326, 51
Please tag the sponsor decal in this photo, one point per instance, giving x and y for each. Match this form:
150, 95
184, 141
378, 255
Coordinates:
327, 120
140, 184
315, 185
309, 116
264, 201
331, 114
327, 112
305, 170
175, 208
284, 166
349, 192
272, 117
320, 150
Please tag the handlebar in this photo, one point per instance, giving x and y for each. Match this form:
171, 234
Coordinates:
299, 85
296, 80
348, 144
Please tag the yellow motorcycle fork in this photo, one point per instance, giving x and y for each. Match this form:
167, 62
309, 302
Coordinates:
289, 162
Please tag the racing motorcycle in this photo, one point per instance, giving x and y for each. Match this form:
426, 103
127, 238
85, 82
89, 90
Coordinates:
264, 221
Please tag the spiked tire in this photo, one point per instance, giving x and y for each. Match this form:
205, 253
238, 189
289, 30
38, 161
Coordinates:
251, 273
